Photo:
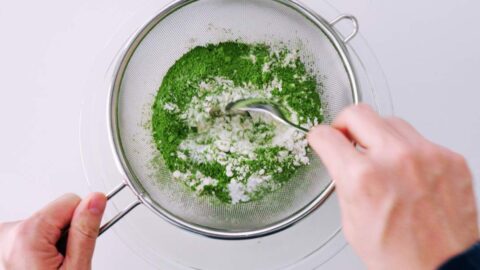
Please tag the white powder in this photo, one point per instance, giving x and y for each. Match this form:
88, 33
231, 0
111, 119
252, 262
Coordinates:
181, 155
229, 171
274, 84
199, 181
295, 142
290, 59
232, 140
206, 181
256, 180
170, 107
216, 94
237, 192
252, 58
266, 67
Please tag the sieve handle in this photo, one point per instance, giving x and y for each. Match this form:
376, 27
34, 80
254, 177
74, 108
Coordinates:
354, 22
122, 213
62, 241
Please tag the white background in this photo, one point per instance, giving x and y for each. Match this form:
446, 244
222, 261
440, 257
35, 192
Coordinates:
428, 50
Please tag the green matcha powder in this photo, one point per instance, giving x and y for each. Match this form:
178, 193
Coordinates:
235, 158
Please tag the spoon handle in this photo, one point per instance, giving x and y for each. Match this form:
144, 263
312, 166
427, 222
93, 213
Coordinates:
299, 128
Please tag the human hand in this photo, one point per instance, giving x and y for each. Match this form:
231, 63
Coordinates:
30, 244
406, 203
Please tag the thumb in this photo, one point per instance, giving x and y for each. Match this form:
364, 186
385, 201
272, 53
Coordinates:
83, 232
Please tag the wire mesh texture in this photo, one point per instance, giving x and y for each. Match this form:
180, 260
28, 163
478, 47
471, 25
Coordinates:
187, 24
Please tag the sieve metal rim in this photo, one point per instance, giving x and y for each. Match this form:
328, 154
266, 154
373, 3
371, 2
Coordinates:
134, 183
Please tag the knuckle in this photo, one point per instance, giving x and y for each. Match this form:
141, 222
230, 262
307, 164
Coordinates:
383, 142
432, 154
405, 153
27, 226
359, 109
462, 163
392, 118
396, 120
37, 221
367, 183
86, 231
408, 160
448, 158
343, 116
353, 111
459, 159
72, 196
364, 170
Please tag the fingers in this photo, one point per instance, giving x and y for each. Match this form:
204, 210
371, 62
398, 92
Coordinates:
335, 150
84, 231
58, 214
363, 125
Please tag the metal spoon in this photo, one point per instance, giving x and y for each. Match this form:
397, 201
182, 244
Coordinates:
263, 106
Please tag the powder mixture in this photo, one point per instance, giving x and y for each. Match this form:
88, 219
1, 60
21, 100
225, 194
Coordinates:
235, 158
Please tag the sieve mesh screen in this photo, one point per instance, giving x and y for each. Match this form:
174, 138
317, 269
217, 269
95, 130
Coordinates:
213, 21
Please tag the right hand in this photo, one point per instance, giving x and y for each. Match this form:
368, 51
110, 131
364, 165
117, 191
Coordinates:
406, 203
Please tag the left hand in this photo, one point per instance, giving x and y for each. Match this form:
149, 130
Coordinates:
30, 244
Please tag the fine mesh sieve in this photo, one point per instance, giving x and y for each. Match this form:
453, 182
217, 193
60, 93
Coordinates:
155, 48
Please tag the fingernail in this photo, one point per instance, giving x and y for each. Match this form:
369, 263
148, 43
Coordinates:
96, 205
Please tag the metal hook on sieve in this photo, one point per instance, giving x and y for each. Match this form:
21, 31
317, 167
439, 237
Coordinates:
354, 22
122, 213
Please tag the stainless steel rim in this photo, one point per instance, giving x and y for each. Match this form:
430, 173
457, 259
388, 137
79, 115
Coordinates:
134, 183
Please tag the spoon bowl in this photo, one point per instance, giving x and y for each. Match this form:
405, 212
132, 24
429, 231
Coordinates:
262, 106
